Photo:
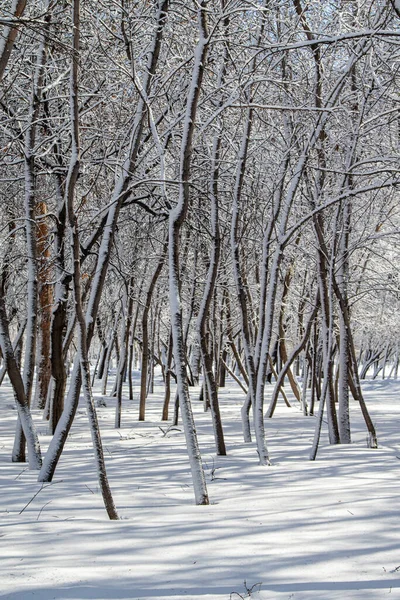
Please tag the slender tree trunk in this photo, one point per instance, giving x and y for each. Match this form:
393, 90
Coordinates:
75, 251
103, 351
167, 392
238, 276
123, 361
282, 342
17, 349
325, 287
176, 219
107, 359
209, 377
306, 368
9, 35
344, 357
45, 305
145, 336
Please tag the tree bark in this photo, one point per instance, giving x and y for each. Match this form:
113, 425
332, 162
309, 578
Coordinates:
45, 305
176, 219
9, 35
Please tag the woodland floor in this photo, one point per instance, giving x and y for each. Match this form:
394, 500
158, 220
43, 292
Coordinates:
299, 530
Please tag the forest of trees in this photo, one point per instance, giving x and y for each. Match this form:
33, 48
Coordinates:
209, 189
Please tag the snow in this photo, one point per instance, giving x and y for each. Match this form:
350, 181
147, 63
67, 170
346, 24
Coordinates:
302, 530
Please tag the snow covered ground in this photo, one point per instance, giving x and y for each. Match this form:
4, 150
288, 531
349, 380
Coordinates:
300, 530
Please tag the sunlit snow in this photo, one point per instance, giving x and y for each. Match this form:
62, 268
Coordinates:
301, 530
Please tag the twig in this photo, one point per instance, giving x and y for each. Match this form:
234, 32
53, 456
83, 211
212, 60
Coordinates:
37, 493
43, 507
19, 474
26, 505
232, 374
165, 432
249, 590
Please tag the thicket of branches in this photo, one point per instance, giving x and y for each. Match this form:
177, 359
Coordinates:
206, 187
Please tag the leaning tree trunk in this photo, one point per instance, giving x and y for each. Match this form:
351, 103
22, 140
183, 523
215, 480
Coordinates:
75, 251
9, 34
176, 219
98, 374
17, 349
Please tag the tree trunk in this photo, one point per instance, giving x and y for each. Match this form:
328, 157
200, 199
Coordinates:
176, 219
45, 305
167, 392
203, 316
24, 416
9, 35
123, 361
75, 251
145, 336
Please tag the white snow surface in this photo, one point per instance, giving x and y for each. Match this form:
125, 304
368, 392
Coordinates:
298, 530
